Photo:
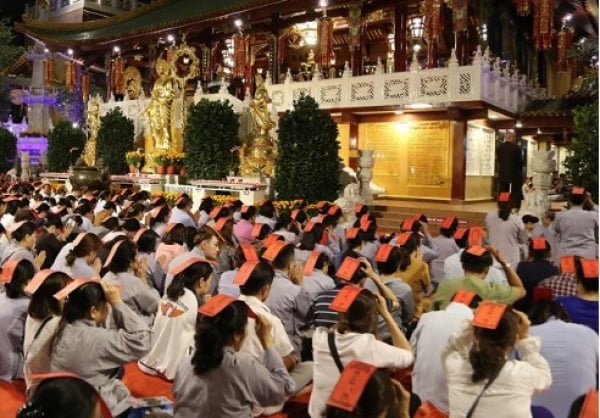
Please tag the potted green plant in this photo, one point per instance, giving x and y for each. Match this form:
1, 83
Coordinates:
308, 162
160, 160
115, 138
65, 145
8, 149
134, 159
211, 132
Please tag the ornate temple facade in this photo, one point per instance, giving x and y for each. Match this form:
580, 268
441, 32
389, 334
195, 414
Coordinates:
429, 86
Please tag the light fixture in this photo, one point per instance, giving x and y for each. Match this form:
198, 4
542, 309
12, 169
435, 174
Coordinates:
483, 32
170, 38
398, 112
419, 106
75, 125
539, 131
70, 52
416, 25
238, 23
323, 3
519, 124
46, 50
116, 49
416, 47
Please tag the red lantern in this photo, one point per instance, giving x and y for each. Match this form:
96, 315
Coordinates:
239, 55
118, 68
432, 10
543, 23
523, 7
70, 76
325, 32
564, 39
85, 87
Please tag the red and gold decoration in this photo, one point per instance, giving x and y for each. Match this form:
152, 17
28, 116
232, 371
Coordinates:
543, 23
240, 54
523, 7
432, 10
49, 72
85, 87
354, 26
460, 17
70, 75
325, 34
117, 72
564, 39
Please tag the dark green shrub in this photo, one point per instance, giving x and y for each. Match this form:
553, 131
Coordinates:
115, 138
61, 140
8, 150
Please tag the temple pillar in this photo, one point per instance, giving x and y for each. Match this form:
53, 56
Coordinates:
458, 135
355, 26
400, 27
432, 53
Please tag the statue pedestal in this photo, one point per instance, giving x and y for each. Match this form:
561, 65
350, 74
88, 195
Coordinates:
34, 145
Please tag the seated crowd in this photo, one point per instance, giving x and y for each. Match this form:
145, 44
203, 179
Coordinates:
241, 308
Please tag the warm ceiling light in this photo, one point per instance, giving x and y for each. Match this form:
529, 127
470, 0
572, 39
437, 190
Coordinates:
416, 24
238, 23
170, 38
323, 3
70, 52
519, 124
116, 49
419, 106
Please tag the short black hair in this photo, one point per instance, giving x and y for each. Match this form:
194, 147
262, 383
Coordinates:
476, 264
261, 276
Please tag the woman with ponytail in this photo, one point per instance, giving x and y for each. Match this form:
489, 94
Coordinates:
84, 347
506, 230
82, 260
175, 323
219, 381
127, 270
482, 380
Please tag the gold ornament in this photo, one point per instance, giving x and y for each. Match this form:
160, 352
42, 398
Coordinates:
93, 124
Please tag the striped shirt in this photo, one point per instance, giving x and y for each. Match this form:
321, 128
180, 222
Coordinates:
322, 315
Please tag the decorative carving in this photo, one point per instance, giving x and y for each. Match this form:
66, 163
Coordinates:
434, 86
331, 94
362, 91
396, 89
465, 83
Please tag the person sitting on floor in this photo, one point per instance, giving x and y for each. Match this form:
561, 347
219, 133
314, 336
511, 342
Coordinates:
583, 307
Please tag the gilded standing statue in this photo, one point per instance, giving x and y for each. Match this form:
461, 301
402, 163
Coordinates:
258, 155
158, 113
93, 124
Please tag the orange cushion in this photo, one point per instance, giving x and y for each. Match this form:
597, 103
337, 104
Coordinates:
12, 395
142, 385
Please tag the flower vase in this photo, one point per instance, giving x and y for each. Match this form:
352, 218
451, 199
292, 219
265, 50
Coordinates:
182, 171
160, 169
131, 168
170, 169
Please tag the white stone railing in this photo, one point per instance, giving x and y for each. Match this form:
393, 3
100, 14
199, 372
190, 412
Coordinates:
437, 87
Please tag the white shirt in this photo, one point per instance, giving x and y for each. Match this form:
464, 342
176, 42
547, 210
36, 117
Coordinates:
252, 345
509, 396
181, 216
350, 346
80, 269
60, 261
428, 341
264, 220
453, 270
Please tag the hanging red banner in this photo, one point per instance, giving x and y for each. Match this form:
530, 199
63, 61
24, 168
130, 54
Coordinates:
85, 87
460, 14
543, 23
523, 7
325, 32
70, 76
239, 55
564, 39
432, 10
118, 75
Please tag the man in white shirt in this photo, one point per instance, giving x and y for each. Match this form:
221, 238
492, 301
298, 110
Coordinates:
255, 287
428, 340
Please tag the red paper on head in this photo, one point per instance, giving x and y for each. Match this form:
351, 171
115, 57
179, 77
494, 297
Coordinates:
320, 219
475, 236
567, 264
358, 207
244, 272
407, 225
169, 227
272, 239
365, 226
295, 214
350, 386
155, 200
352, 233
273, 250
476, 250
542, 293
35, 283
154, 212
347, 269
578, 191
589, 409
185, 264
216, 304
383, 253
256, 229
309, 226
345, 298
447, 223
403, 238
112, 252
460, 233
311, 262
364, 220
215, 212
244, 209
138, 234
332, 210
75, 284
504, 197
488, 314
589, 268
8, 269
538, 243
321, 204
179, 200
249, 252
220, 224
464, 296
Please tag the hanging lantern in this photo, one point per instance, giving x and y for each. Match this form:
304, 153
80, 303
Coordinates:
118, 68
70, 76
354, 26
523, 7
239, 55
432, 9
50, 72
85, 87
564, 39
325, 33
543, 23
460, 16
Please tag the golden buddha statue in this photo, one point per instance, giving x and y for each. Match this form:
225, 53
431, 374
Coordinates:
158, 113
257, 157
93, 124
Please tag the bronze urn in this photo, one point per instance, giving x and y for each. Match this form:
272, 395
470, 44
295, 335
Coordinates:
94, 178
